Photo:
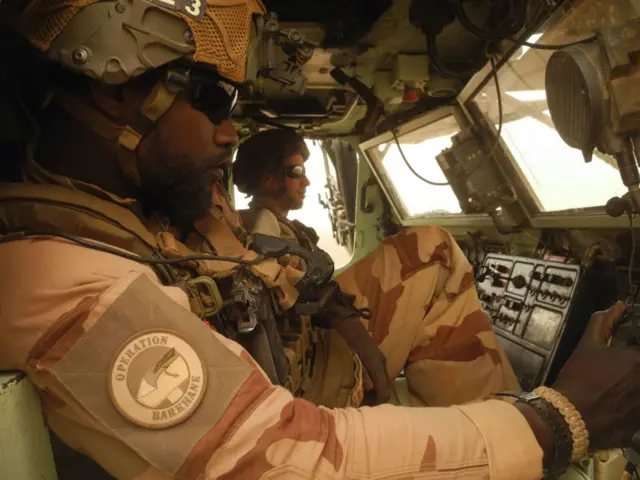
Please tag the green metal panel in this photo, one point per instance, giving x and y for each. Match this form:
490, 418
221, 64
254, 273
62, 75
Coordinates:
25, 449
367, 236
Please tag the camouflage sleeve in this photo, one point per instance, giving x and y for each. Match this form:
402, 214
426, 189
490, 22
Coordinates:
132, 379
427, 318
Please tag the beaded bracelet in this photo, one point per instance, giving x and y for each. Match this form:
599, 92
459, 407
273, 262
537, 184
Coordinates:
578, 429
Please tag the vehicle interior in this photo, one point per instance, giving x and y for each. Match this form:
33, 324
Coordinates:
511, 123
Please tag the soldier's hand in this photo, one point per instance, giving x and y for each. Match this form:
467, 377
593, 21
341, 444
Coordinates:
603, 383
374, 362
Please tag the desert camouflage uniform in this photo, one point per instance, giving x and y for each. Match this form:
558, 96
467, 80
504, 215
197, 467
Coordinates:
426, 315
64, 321
72, 324
91, 329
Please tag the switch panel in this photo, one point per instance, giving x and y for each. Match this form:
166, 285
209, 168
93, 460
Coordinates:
528, 302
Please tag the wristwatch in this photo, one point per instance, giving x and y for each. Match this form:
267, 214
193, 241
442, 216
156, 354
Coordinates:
556, 464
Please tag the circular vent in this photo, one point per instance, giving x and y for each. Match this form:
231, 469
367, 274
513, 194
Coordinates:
575, 95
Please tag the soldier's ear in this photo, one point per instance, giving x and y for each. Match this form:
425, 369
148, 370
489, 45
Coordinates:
269, 182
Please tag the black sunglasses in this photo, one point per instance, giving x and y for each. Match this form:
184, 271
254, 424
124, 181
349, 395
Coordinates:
295, 171
209, 92
215, 99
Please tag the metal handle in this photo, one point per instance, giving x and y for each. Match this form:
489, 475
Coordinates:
365, 206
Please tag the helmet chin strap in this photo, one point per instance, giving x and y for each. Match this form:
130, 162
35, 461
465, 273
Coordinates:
129, 136
155, 105
143, 122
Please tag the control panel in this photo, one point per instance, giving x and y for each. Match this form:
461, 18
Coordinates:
529, 302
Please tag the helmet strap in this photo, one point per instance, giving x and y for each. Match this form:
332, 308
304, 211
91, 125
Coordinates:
143, 122
155, 105
86, 114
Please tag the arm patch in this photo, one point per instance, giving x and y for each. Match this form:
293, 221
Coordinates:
152, 374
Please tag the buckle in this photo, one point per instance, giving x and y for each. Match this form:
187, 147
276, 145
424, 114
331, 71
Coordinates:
247, 320
211, 299
177, 77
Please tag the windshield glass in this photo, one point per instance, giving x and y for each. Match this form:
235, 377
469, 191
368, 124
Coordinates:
413, 196
557, 174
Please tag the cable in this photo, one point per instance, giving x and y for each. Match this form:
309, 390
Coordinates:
438, 65
498, 28
13, 237
498, 32
435, 184
513, 21
537, 46
494, 70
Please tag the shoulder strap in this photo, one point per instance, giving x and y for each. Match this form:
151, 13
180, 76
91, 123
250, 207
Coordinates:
306, 236
308, 231
50, 207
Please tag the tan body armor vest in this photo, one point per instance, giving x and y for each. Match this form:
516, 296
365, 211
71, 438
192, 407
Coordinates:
34, 207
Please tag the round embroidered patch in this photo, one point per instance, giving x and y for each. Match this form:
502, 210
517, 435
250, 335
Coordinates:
157, 379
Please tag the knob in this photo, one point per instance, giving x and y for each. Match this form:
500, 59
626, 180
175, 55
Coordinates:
567, 282
559, 280
519, 281
537, 275
513, 305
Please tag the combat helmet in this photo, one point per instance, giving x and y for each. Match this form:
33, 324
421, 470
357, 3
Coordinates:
114, 41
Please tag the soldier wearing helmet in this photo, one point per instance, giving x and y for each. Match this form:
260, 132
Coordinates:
269, 167
114, 249
417, 282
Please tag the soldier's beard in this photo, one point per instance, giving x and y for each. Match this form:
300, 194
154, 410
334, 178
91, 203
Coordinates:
182, 194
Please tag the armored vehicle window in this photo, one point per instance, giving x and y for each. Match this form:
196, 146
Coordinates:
412, 196
557, 174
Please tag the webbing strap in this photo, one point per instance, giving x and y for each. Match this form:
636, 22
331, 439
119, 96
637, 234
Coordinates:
155, 105
87, 115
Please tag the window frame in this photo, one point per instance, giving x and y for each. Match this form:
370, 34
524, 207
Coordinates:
445, 220
591, 217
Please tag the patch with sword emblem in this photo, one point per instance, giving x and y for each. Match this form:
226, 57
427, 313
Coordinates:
157, 379
144, 368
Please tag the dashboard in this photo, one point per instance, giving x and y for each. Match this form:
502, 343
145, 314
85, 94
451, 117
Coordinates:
529, 303
539, 308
